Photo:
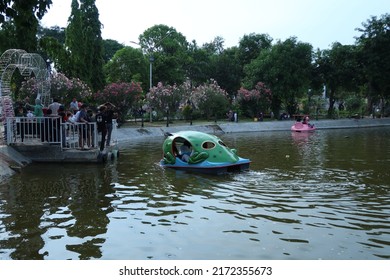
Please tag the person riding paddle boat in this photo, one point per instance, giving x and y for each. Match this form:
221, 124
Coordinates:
200, 152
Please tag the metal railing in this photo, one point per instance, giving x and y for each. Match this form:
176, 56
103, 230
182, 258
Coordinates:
51, 130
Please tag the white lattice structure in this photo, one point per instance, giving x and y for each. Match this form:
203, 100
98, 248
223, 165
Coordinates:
27, 64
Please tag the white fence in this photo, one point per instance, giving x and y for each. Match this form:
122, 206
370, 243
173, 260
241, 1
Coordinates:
34, 131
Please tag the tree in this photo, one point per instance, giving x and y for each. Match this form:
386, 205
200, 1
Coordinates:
216, 46
24, 15
127, 65
198, 68
110, 48
167, 50
286, 68
57, 53
122, 95
61, 87
53, 32
7, 36
374, 48
7, 8
256, 101
210, 100
339, 69
250, 46
165, 99
227, 70
84, 44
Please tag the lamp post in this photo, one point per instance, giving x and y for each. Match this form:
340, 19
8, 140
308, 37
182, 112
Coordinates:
151, 60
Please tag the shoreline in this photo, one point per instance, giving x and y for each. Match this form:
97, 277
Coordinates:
12, 162
125, 134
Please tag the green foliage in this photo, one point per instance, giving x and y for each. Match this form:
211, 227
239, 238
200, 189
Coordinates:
66, 89
227, 70
187, 111
84, 44
110, 47
207, 100
286, 69
9, 8
340, 70
127, 65
53, 32
210, 100
7, 36
61, 87
123, 95
354, 104
198, 67
24, 15
250, 47
168, 50
57, 53
165, 98
255, 101
375, 54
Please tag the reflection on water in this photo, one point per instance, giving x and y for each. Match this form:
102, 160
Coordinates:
323, 195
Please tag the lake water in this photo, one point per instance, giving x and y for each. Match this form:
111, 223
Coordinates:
324, 195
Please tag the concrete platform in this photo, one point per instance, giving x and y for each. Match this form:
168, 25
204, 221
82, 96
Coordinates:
53, 153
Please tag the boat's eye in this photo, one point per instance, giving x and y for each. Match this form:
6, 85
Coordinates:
208, 145
221, 143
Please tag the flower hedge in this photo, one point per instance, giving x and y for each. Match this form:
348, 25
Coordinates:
123, 96
61, 87
255, 101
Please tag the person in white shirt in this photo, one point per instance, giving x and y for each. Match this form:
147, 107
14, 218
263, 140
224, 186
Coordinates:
54, 107
74, 106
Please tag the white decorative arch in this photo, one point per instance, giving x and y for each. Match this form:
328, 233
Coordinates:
27, 64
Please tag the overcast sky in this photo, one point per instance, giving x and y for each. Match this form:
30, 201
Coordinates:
318, 22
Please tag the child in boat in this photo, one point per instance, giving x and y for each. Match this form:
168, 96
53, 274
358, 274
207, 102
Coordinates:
306, 121
185, 151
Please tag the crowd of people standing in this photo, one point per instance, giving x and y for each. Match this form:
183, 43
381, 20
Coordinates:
77, 113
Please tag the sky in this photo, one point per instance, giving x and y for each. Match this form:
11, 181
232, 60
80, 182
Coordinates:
318, 22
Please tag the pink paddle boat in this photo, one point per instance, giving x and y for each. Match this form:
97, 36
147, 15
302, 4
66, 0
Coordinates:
303, 126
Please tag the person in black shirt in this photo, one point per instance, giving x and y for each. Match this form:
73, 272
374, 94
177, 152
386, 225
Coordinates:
110, 115
101, 122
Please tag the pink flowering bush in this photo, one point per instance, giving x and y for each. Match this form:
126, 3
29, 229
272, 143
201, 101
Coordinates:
210, 100
66, 89
207, 100
255, 101
122, 95
61, 87
163, 98
186, 106
29, 88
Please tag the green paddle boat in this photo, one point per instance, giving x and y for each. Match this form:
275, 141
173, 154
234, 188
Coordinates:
200, 152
